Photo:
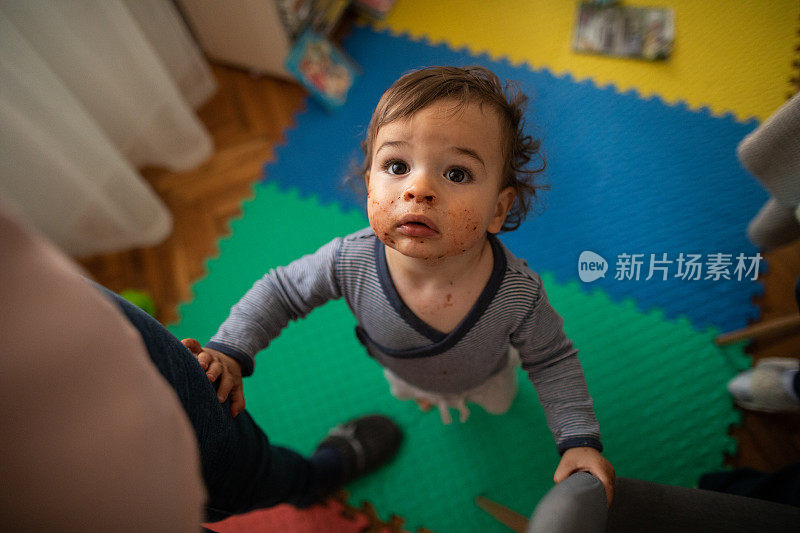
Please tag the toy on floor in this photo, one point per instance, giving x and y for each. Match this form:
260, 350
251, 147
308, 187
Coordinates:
141, 299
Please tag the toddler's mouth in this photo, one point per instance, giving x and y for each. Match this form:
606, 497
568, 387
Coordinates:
417, 226
418, 221
416, 229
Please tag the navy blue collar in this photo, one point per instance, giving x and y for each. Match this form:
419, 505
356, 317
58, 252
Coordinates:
441, 341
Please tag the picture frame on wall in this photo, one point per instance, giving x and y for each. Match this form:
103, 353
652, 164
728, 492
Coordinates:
634, 32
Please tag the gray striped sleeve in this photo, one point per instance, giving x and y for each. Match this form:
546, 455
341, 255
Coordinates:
550, 359
283, 294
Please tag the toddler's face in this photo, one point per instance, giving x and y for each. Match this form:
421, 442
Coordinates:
434, 183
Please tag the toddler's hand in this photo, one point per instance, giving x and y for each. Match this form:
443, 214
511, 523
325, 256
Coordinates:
218, 364
587, 460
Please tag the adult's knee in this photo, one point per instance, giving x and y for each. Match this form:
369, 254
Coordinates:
577, 504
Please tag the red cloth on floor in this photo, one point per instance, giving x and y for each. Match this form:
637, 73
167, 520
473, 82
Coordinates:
328, 517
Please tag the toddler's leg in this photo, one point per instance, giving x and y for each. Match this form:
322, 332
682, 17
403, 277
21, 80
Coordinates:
399, 388
495, 395
499, 391
577, 504
402, 390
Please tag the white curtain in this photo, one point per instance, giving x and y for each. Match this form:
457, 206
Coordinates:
91, 90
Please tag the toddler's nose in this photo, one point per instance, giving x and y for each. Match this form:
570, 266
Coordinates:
414, 196
420, 190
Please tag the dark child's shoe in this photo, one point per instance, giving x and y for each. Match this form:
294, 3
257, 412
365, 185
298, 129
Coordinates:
364, 443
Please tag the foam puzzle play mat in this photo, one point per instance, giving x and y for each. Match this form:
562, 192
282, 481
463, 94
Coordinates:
643, 175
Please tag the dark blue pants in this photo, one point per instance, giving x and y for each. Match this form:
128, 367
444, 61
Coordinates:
241, 469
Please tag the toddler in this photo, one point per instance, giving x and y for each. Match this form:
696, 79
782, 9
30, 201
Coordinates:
441, 303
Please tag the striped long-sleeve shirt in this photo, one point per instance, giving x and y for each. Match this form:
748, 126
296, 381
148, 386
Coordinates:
512, 310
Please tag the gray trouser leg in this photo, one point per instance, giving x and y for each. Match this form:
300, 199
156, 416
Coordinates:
577, 504
643, 506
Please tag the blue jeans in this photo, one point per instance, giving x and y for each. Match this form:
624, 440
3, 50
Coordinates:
241, 469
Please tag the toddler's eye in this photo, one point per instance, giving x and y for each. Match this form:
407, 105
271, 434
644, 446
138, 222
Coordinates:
396, 167
457, 175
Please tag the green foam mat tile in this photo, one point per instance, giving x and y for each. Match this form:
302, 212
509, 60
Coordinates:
658, 385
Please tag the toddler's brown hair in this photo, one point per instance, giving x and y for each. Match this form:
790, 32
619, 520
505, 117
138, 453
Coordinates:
474, 84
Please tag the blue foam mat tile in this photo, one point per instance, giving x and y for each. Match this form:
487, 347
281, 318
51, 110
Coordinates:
627, 174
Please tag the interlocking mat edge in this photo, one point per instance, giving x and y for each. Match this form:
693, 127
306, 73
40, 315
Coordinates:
658, 384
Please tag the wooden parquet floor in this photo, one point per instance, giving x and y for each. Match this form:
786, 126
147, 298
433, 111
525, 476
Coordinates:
247, 118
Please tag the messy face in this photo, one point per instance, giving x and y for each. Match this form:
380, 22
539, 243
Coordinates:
434, 183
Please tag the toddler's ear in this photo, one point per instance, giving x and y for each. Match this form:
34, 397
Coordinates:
504, 202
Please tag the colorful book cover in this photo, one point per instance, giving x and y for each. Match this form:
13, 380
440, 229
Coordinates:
323, 69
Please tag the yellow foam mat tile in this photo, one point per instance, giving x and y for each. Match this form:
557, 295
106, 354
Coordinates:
729, 55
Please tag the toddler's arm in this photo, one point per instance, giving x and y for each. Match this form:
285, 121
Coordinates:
283, 294
552, 364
